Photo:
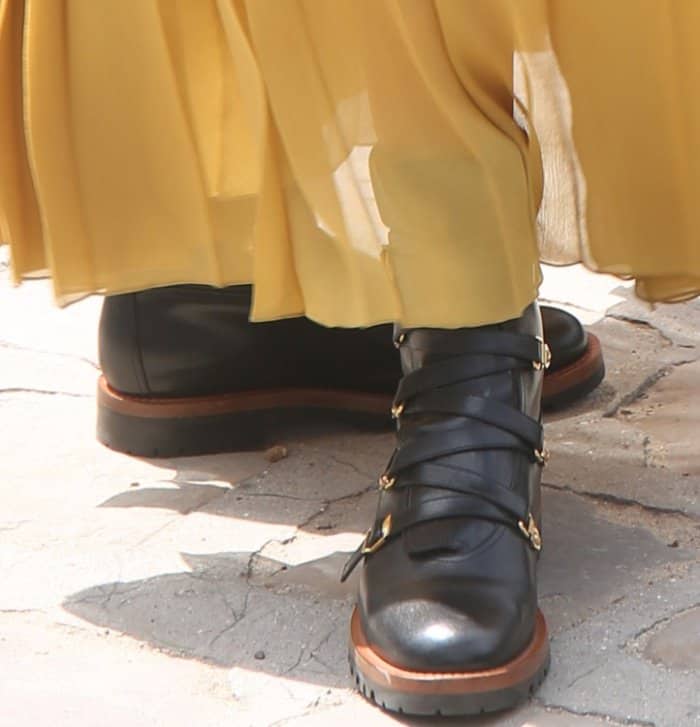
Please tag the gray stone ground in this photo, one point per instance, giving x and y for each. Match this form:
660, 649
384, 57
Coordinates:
203, 591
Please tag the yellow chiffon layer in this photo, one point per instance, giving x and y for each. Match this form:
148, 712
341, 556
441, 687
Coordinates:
357, 160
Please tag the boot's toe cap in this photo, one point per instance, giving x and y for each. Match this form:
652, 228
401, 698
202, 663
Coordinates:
430, 635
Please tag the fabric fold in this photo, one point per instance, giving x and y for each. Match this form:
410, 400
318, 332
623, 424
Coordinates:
358, 161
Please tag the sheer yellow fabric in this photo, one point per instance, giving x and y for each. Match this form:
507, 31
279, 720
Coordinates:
357, 160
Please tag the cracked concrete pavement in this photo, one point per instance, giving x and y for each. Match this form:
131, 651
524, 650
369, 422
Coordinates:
205, 589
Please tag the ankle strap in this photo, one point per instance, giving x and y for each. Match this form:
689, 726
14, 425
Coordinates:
443, 388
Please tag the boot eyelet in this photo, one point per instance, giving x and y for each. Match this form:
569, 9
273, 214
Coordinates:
397, 410
399, 340
386, 482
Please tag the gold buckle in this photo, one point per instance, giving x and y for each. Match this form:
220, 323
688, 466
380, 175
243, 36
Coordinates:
386, 482
368, 549
531, 532
545, 356
542, 455
397, 410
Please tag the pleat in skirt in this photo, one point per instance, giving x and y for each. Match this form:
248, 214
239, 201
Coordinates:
358, 161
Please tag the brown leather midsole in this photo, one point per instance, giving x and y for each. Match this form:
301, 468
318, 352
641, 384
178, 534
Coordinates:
557, 382
384, 674
242, 401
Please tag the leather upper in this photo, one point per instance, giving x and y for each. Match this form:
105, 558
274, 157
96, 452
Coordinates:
195, 340
566, 337
459, 593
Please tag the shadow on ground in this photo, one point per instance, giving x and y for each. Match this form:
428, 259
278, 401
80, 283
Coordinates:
279, 613
248, 610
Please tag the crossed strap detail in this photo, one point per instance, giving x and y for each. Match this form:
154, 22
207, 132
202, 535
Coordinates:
440, 388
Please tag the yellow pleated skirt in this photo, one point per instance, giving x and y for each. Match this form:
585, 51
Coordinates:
358, 161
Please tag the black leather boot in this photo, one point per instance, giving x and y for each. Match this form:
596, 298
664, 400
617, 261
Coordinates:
447, 619
184, 372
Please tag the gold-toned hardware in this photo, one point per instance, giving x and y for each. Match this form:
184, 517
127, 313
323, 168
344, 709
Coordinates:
531, 532
542, 455
397, 410
399, 339
386, 482
368, 548
545, 359
547, 355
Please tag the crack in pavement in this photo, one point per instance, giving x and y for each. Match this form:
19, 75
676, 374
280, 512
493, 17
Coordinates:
647, 451
639, 391
584, 675
7, 611
306, 522
313, 655
334, 501
668, 337
240, 489
657, 574
608, 498
327, 668
351, 465
659, 622
155, 532
641, 323
237, 616
322, 509
44, 392
615, 719
278, 495
299, 658
43, 352
118, 588
250, 565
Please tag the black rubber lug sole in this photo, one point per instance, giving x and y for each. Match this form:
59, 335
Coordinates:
448, 705
242, 431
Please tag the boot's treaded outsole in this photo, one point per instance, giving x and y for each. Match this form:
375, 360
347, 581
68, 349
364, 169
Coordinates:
570, 383
171, 427
448, 694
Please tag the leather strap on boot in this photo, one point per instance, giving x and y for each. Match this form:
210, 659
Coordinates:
441, 389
